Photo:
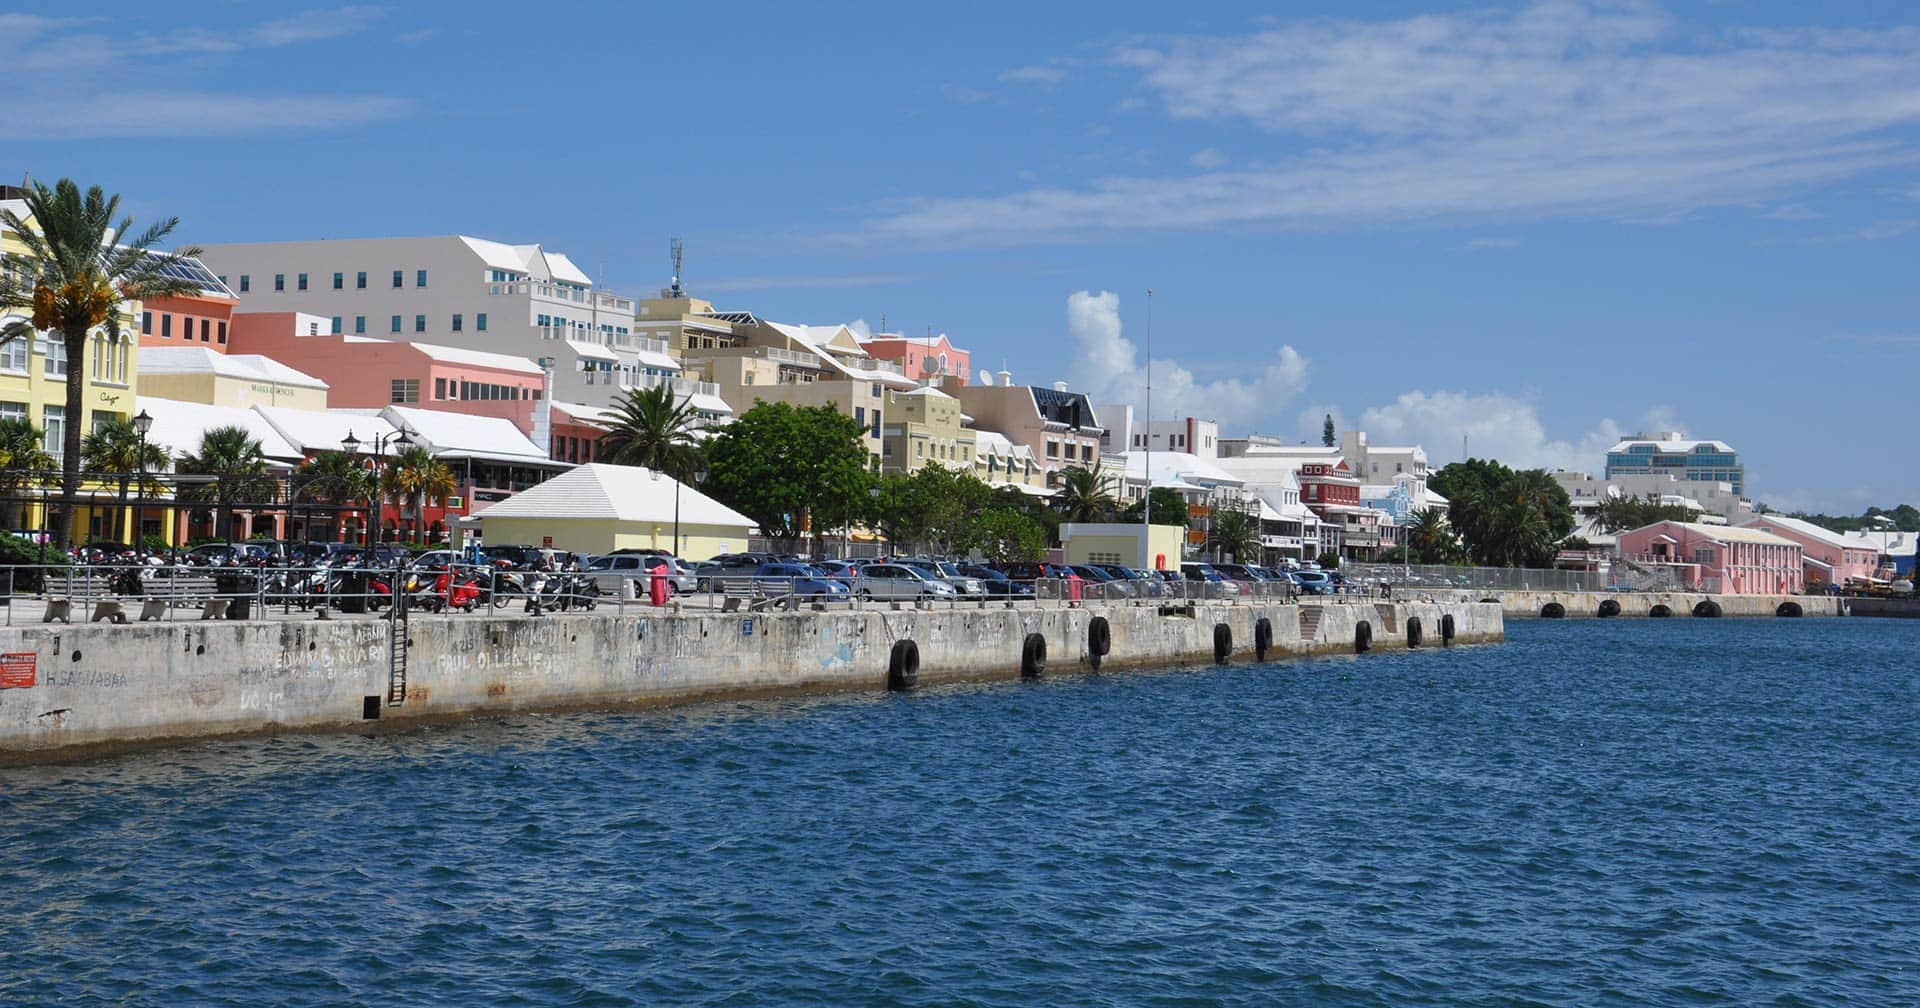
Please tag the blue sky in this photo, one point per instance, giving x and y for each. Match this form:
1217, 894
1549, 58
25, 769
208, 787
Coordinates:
1537, 225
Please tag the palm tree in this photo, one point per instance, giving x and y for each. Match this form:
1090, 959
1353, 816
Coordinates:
23, 456
415, 474
1084, 495
115, 447
238, 467
78, 266
335, 478
1428, 535
652, 428
1236, 533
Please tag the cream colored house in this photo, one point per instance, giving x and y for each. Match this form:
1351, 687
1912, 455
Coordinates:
1148, 547
198, 374
923, 425
598, 508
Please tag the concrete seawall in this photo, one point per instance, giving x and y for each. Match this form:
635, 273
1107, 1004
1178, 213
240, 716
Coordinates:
98, 686
1577, 604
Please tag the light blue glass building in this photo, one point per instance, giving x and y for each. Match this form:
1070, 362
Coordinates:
1670, 453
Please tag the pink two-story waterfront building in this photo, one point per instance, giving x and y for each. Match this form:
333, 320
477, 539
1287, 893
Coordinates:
1829, 557
1719, 558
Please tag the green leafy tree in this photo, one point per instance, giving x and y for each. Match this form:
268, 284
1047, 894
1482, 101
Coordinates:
1328, 560
1169, 508
1430, 538
793, 469
1033, 508
1616, 514
1235, 534
115, 447
931, 508
653, 428
77, 267
1006, 535
234, 470
1084, 495
1506, 518
1327, 438
24, 462
415, 477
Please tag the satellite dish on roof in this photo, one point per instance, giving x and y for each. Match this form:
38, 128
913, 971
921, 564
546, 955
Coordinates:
986, 377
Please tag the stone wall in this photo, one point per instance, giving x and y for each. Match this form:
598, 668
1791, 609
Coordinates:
1576, 604
100, 685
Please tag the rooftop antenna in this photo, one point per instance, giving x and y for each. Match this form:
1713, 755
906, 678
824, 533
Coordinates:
677, 249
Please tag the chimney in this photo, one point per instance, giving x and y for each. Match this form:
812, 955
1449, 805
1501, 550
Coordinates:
1006, 377
1059, 386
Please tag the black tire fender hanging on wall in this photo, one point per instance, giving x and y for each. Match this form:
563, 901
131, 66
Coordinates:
1262, 638
1222, 642
1446, 628
1099, 640
1414, 635
1033, 656
1609, 608
903, 665
1362, 637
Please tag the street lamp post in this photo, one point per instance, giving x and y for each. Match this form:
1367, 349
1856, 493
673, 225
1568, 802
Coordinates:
380, 441
699, 476
874, 492
142, 423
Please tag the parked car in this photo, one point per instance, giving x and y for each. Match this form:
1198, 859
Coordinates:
1313, 582
1205, 575
630, 575
1029, 571
226, 554
1099, 583
950, 573
898, 581
729, 565
522, 557
803, 580
996, 584
842, 569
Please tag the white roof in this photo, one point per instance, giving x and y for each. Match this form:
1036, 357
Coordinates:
1179, 465
478, 358
1679, 445
324, 430
177, 426
594, 350
1890, 542
563, 268
1731, 533
598, 491
924, 390
181, 360
1808, 529
465, 434
655, 359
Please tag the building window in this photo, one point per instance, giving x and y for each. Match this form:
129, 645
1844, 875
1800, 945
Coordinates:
246, 283
14, 354
439, 388
419, 323
166, 327
405, 390
336, 325
456, 322
206, 330
54, 349
360, 280
480, 321
420, 278
146, 323
53, 420
860, 415
359, 324
339, 281
301, 281
396, 323
279, 281
397, 275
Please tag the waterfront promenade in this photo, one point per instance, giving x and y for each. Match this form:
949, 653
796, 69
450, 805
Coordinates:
85, 687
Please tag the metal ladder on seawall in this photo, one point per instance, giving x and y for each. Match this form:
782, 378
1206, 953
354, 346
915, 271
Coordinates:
397, 648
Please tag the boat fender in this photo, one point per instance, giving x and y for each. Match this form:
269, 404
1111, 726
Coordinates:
1446, 628
1099, 639
1362, 637
1222, 642
903, 665
1033, 656
1414, 635
1262, 638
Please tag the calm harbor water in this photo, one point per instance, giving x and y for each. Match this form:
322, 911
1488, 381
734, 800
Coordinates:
1599, 812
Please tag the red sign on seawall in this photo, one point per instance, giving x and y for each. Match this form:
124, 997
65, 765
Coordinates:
17, 669
546, 542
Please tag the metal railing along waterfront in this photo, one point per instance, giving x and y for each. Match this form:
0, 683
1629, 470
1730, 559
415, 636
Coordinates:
133, 592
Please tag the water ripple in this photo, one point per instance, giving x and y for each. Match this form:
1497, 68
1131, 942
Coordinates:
1608, 813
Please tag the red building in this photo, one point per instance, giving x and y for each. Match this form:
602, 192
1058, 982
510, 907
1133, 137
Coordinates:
933, 357
1325, 485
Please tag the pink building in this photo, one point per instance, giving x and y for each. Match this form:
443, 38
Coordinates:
1830, 558
933, 357
366, 373
1719, 558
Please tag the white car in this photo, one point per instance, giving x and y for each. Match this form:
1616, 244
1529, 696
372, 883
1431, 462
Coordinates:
898, 581
632, 573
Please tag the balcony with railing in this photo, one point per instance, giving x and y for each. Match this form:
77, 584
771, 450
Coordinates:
598, 300
680, 386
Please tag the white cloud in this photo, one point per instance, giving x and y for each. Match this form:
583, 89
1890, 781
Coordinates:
1563, 109
74, 84
1495, 426
1208, 158
1108, 368
1042, 76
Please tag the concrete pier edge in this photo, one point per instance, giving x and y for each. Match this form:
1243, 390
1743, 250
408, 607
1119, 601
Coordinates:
101, 688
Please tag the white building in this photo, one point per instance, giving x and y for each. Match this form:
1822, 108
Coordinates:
458, 291
1127, 433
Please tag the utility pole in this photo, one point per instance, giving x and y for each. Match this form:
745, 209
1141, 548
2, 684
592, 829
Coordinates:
1146, 499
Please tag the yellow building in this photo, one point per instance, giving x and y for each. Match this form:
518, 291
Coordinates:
1152, 547
33, 387
923, 425
198, 374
